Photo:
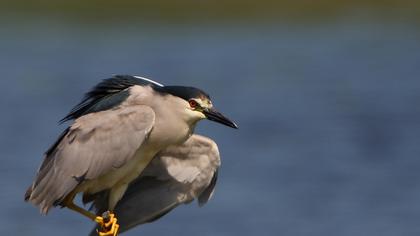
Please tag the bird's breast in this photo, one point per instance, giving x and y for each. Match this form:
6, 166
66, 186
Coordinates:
169, 131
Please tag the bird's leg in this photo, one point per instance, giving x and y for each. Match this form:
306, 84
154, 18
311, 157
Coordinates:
108, 224
68, 202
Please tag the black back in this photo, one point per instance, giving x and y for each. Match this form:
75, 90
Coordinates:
107, 94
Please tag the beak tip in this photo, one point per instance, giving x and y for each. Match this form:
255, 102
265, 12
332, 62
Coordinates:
216, 116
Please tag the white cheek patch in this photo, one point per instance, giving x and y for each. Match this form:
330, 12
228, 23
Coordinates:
195, 115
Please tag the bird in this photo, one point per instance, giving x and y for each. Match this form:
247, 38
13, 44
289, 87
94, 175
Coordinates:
117, 129
177, 175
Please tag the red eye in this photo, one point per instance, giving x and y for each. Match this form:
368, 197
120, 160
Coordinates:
193, 103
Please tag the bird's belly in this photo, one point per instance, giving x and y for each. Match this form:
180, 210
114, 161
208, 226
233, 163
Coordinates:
121, 176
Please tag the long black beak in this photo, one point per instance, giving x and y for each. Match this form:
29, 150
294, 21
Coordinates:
216, 116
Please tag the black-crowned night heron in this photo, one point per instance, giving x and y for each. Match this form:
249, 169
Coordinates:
119, 127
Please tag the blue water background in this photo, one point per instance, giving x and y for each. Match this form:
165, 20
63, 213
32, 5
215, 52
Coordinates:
329, 118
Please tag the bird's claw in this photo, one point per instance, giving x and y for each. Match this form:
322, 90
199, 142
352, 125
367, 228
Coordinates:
108, 224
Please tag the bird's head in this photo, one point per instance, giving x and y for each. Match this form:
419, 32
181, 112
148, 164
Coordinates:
199, 105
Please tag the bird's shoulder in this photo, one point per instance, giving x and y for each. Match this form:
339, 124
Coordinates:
124, 118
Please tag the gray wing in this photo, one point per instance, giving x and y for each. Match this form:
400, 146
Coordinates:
177, 175
95, 144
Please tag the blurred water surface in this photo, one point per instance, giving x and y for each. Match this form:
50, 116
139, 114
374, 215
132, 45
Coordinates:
328, 113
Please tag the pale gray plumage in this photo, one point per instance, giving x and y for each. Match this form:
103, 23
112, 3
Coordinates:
177, 175
94, 145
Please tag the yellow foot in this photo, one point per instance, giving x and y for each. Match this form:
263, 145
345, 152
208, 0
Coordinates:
108, 224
